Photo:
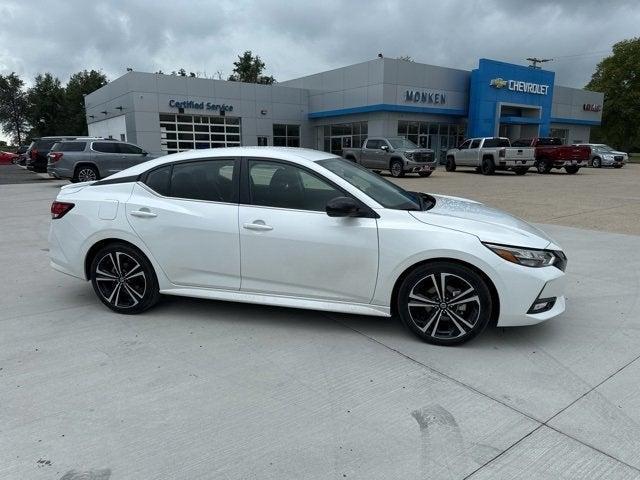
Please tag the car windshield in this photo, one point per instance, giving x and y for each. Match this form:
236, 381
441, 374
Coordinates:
387, 194
402, 143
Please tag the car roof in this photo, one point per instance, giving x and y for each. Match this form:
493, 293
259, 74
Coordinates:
292, 154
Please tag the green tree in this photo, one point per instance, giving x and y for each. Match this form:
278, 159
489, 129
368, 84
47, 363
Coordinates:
618, 77
46, 106
13, 107
249, 69
80, 84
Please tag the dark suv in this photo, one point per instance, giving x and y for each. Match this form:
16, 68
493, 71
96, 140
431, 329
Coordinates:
38, 150
86, 160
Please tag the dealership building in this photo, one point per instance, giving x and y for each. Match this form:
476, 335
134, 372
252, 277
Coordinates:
433, 106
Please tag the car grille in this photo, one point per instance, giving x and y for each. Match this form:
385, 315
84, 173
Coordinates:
618, 158
423, 157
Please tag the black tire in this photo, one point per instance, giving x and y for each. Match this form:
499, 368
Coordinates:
596, 162
521, 170
617, 165
451, 164
487, 167
425, 174
435, 319
543, 166
396, 168
85, 173
571, 169
119, 269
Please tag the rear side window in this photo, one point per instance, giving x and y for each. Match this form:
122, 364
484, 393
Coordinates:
45, 144
158, 180
127, 148
204, 180
69, 147
106, 147
489, 143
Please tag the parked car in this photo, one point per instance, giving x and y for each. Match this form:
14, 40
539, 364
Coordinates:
39, 149
604, 155
488, 154
305, 229
7, 158
86, 160
551, 153
396, 154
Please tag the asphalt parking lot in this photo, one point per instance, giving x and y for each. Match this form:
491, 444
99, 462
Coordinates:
200, 389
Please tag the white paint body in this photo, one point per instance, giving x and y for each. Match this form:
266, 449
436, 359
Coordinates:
308, 259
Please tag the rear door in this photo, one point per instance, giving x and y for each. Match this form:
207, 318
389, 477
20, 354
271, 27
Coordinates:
131, 155
107, 157
187, 215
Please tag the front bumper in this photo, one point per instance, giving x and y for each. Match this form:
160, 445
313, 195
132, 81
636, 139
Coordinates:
522, 287
415, 167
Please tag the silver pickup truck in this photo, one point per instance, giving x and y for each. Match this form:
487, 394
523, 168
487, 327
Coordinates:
489, 154
396, 154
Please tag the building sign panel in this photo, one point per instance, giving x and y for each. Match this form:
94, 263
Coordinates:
426, 96
520, 86
190, 104
591, 107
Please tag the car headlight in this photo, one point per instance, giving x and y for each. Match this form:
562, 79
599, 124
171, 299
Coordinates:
408, 155
608, 157
529, 257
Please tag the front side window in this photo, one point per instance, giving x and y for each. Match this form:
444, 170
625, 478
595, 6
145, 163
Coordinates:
387, 194
210, 180
465, 145
374, 144
283, 185
475, 143
129, 149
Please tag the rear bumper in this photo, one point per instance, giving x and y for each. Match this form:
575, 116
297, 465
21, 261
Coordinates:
58, 172
507, 163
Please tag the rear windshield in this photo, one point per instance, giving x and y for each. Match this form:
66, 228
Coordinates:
496, 142
44, 144
524, 142
69, 147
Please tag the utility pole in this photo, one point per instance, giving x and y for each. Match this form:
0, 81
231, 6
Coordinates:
535, 61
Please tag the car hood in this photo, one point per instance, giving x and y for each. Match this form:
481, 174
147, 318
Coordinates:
487, 223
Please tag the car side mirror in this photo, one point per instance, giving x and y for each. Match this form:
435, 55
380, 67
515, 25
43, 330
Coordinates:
384, 147
342, 207
144, 154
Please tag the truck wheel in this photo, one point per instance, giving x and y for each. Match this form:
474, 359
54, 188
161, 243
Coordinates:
543, 166
451, 164
596, 163
571, 169
424, 174
395, 167
487, 167
521, 170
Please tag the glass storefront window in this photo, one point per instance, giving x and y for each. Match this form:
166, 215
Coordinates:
286, 135
339, 136
437, 136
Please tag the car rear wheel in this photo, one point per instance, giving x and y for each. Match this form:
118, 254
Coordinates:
571, 169
124, 279
444, 303
86, 173
396, 168
451, 165
521, 170
487, 167
596, 163
424, 174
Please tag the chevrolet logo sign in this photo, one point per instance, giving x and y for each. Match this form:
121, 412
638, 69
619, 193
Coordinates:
498, 83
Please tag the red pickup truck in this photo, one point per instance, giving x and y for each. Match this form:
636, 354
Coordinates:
551, 153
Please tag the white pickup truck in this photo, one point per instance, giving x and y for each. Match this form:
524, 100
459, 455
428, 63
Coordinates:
488, 154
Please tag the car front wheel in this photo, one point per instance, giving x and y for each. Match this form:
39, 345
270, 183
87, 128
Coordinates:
444, 303
596, 163
124, 279
86, 174
396, 168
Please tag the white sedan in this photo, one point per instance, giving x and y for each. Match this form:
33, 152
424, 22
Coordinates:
302, 228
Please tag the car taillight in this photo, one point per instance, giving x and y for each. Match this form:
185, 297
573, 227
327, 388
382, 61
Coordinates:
502, 153
55, 156
60, 209
33, 153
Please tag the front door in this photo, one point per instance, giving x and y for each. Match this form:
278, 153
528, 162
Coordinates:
187, 215
290, 246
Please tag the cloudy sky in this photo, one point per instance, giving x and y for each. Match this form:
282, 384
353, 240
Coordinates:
296, 37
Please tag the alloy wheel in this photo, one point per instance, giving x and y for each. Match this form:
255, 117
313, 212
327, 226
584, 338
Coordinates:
444, 306
120, 280
87, 175
396, 169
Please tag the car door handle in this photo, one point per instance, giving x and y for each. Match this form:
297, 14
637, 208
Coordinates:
259, 227
143, 214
